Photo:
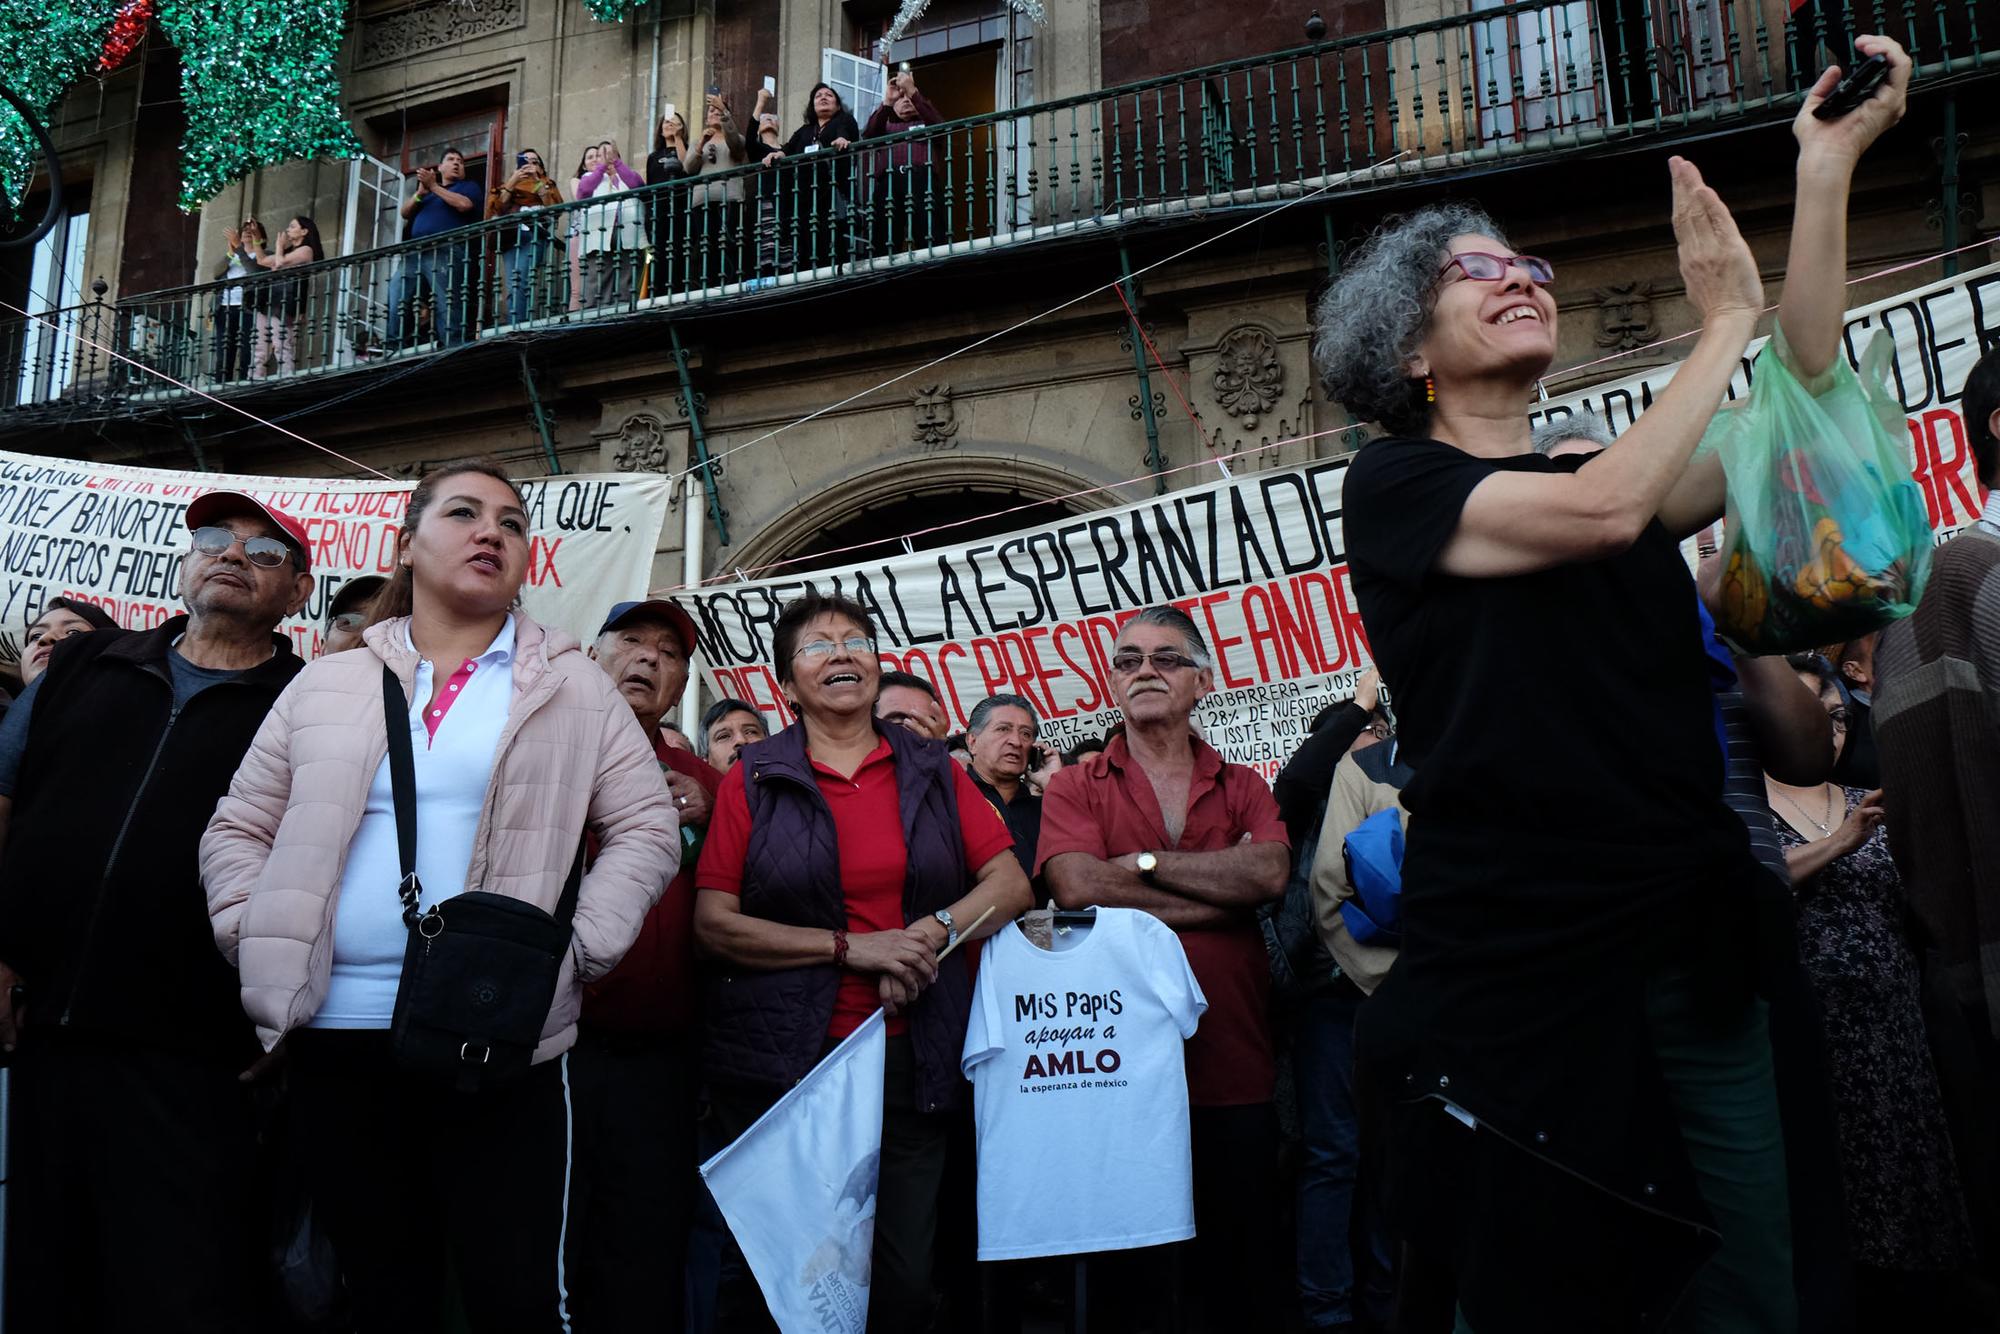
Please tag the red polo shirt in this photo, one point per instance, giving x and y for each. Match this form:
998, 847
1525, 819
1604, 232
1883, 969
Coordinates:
868, 829
1105, 806
653, 989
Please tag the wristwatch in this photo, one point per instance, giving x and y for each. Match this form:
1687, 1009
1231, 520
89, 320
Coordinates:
950, 931
1148, 863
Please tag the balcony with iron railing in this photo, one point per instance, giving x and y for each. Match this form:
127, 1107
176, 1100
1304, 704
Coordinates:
1509, 83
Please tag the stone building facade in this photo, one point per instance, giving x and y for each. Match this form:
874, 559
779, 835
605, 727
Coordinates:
997, 384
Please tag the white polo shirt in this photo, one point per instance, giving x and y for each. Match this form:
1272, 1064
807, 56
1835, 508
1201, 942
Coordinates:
454, 743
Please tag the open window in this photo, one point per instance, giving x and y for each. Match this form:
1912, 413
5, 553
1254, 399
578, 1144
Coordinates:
859, 81
48, 281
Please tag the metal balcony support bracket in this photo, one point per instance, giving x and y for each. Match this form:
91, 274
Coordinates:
541, 416
1154, 459
700, 440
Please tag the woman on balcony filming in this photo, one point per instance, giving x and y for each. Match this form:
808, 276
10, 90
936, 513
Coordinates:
1584, 1125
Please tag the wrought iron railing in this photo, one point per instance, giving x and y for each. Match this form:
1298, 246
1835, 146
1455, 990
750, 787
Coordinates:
1539, 77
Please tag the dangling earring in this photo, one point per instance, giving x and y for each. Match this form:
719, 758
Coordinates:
1430, 390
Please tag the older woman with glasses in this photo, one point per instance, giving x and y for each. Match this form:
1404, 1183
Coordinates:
843, 857
1585, 1126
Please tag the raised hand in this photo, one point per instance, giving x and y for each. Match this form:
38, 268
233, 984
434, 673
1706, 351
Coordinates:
1840, 143
1716, 264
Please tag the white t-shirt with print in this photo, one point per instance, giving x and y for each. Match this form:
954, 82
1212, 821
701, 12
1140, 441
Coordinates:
1079, 1088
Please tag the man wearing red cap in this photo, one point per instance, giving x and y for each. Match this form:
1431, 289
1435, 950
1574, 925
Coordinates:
129, 1206
632, 1071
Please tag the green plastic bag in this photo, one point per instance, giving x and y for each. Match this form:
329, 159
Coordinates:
1826, 534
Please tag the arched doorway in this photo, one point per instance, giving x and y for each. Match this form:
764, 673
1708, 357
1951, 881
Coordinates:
934, 502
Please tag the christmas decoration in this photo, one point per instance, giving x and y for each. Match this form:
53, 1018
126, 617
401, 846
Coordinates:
128, 29
912, 10
43, 46
259, 87
611, 11
257, 78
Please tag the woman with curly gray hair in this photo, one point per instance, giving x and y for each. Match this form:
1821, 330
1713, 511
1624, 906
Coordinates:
1584, 1128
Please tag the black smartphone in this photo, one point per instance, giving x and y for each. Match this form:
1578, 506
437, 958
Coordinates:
1037, 758
1856, 87
520, 159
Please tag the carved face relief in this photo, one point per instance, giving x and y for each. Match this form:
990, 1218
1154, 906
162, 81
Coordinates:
643, 445
937, 418
1248, 377
1625, 315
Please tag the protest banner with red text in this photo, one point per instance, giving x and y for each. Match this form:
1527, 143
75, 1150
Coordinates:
1257, 561
116, 537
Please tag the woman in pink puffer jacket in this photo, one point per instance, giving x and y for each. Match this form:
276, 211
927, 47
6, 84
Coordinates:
520, 742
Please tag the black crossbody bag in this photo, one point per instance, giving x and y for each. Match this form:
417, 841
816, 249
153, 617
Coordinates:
479, 973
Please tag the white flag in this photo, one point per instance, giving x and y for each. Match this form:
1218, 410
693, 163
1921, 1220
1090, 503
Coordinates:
798, 1189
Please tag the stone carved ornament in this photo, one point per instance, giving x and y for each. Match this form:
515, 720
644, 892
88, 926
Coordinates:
1625, 315
643, 444
1248, 376
435, 23
937, 418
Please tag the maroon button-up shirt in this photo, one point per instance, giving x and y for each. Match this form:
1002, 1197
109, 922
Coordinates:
1106, 807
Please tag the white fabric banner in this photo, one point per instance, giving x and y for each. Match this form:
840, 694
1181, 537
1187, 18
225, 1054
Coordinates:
1256, 560
1939, 332
115, 536
798, 1189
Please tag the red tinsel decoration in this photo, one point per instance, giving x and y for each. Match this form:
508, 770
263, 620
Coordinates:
128, 28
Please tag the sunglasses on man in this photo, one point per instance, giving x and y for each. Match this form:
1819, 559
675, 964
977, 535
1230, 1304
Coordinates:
267, 552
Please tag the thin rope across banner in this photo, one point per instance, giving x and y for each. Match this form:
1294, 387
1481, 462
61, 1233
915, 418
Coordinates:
744, 573
60, 332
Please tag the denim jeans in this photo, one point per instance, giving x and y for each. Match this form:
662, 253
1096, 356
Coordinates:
522, 261
1339, 1231
442, 269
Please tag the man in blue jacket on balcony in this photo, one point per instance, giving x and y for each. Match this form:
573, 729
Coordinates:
444, 200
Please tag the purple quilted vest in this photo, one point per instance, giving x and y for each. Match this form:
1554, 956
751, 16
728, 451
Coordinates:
768, 1028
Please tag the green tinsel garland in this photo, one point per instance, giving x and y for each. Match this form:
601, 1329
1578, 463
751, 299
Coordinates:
260, 87
44, 45
258, 81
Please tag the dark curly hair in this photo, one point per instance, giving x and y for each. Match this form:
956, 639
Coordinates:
1372, 319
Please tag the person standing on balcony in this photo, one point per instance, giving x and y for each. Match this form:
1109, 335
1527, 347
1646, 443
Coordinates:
613, 232
819, 192
529, 188
577, 216
233, 317
901, 185
444, 201
129, 1205
668, 209
1585, 1125
282, 299
718, 205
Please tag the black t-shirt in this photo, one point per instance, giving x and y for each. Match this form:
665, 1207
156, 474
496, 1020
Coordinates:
1561, 714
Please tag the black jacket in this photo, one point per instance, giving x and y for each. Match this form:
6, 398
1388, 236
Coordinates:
101, 907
